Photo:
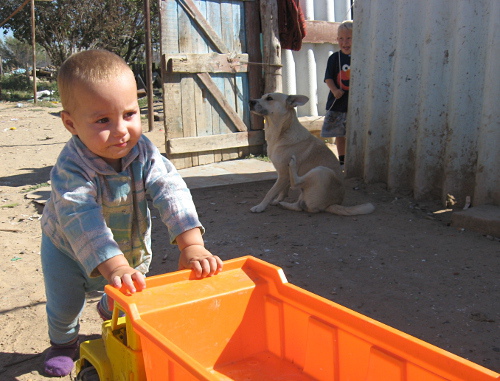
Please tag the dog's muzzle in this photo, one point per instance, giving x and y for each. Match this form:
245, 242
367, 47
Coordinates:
256, 108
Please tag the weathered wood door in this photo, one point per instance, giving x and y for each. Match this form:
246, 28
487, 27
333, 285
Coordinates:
206, 80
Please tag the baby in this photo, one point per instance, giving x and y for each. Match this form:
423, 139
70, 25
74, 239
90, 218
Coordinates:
96, 226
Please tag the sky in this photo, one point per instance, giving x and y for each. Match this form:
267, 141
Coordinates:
2, 35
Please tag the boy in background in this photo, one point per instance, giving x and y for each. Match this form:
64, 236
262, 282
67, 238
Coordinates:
337, 75
96, 226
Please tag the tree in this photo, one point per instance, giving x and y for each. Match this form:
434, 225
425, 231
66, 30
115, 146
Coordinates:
64, 27
16, 54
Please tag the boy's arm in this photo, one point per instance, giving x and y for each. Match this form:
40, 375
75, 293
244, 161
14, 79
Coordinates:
337, 93
194, 255
118, 273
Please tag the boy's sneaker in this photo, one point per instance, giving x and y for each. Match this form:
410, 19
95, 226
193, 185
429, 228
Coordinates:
59, 360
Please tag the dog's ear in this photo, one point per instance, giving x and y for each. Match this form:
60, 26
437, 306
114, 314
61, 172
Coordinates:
296, 100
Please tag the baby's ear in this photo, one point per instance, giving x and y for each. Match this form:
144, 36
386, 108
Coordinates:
68, 122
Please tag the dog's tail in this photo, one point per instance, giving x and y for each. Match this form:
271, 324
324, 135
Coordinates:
351, 210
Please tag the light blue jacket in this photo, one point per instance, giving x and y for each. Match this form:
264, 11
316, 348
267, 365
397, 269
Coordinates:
95, 213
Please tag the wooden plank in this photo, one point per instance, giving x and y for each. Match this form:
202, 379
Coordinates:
321, 32
208, 63
214, 18
219, 97
272, 47
239, 42
228, 90
191, 9
215, 142
254, 80
186, 44
172, 98
202, 107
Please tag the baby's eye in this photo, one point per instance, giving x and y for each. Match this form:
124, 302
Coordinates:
103, 120
130, 114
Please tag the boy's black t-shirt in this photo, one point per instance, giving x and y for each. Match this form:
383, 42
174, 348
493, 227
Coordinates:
341, 78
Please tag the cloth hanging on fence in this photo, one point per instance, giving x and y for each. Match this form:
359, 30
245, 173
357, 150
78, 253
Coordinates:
291, 24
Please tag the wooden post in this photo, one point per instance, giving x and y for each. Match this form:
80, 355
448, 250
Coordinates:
149, 69
272, 47
255, 82
33, 43
1, 77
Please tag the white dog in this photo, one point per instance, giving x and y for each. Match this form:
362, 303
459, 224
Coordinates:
301, 160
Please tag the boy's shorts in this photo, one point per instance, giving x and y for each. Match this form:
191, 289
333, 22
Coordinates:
334, 124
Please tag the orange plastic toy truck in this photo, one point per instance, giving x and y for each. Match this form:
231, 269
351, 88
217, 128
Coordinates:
249, 323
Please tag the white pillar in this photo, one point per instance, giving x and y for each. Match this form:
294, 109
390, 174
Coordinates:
289, 82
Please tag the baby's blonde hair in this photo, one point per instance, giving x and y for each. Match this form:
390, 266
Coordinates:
87, 67
345, 25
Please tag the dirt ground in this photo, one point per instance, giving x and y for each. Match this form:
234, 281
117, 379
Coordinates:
403, 265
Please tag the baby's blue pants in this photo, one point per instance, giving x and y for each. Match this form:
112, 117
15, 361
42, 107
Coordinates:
66, 283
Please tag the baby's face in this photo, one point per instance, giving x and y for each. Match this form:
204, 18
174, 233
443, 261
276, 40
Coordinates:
106, 117
344, 40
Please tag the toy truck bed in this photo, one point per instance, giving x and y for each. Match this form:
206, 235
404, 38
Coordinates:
249, 323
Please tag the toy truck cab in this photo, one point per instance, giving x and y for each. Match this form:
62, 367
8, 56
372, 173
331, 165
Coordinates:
116, 356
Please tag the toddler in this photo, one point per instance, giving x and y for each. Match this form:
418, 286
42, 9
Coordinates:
96, 226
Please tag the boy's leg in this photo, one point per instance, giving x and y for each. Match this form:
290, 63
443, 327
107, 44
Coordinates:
334, 125
103, 308
65, 287
328, 127
65, 292
340, 143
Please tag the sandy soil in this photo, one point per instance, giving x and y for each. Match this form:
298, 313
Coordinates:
402, 265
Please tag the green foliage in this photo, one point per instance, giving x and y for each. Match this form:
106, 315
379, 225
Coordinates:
34, 187
48, 85
10, 205
64, 27
18, 87
16, 82
17, 54
259, 157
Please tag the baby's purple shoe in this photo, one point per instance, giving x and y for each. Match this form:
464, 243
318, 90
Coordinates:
59, 360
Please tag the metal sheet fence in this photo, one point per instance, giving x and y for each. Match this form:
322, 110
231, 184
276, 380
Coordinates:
425, 78
425, 81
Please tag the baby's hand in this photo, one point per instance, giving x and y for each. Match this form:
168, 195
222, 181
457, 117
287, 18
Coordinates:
126, 276
119, 274
200, 260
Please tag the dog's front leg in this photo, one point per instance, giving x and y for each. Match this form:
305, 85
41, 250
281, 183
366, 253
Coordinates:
279, 187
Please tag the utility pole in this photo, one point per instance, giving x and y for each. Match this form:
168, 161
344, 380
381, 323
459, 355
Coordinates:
1, 76
149, 64
33, 43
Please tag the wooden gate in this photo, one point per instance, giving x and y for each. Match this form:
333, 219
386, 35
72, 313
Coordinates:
206, 50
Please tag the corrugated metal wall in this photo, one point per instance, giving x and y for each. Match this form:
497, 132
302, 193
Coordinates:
303, 71
423, 109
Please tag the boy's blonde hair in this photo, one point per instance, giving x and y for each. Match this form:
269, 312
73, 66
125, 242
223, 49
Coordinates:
345, 25
87, 67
